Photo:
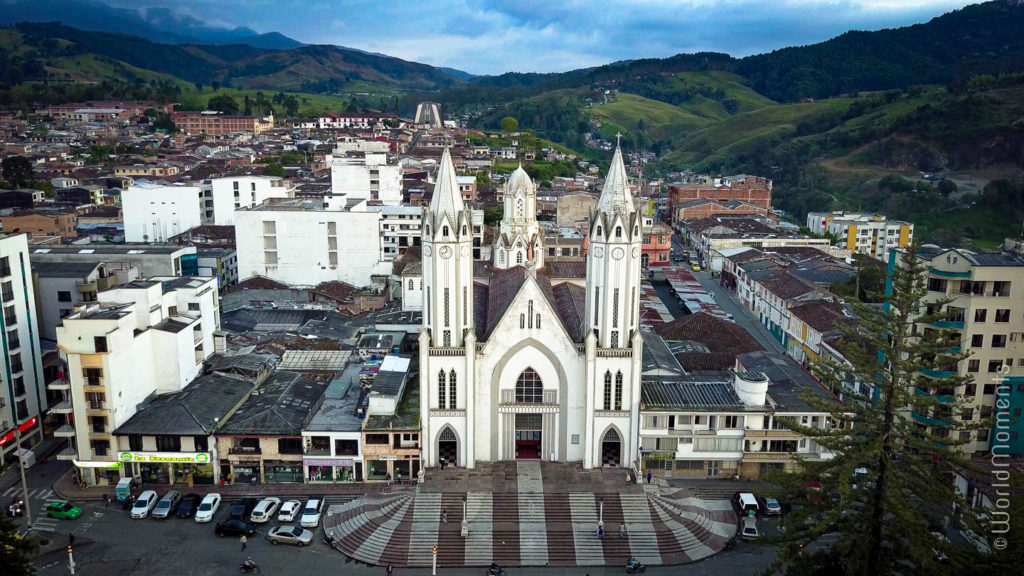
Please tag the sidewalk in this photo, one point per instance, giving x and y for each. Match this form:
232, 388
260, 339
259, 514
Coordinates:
66, 489
43, 451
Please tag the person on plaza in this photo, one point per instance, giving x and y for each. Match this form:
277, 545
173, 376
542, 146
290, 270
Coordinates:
244, 542
622, 530
389, 569
444, 516
600, 533
649, 476
106, 500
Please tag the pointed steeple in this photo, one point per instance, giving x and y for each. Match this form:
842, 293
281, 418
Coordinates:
446, 199
616, 196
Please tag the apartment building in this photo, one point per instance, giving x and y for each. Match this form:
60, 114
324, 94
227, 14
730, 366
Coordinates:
222, 196
60, 287
366, 175
150, 259
657, 246
156, 212
22, 392
984, 296
731, 424
214, 123
860, 233
142, 338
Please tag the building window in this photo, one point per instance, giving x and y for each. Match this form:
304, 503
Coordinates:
538, 321
598, 231
597, 304
522, 321
973, 365
447, 338
8, 291
411, 285
202, 443
101, 343
135, 442
529, 388
166, 443
428, 305
999, 340
994, 366
618, 390
608, 390
193, 306
64, 296
1002, 315
615, 338
519, 257
980, 314
442, 396
446, 307
452, 390
977, 340
615, 308
530, 313
444, 230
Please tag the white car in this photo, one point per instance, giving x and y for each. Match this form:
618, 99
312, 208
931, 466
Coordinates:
208, 507
289, 510
145, 503
265, 510
748, 529
311, 513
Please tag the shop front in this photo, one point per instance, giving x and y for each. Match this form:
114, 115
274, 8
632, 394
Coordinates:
283, 472
168, 467
98, 472
333, 470
245, 472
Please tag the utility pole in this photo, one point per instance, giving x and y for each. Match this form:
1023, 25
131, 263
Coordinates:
21, 466
71, 557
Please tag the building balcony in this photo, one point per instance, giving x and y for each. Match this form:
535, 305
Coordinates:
779, 434
63, 407
614, 352
245, 450
767, 456
106, 283
311, 451
102, 434
94, 386
948, 324
197, 336
938, 374
944, 398
99, 408
65, 431
447, 351
58, 384
927, 421
69, 452
83, 287
954, 351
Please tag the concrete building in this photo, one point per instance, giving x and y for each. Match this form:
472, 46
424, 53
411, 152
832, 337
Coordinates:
150, 259
728, 194
573, 210
222, 196
60, 287
155, 213
428, 114
367, 176
333, 438
869, 234
657, 247
221, 263
984, 295
22, 389
214, 123
40, 224
142, 338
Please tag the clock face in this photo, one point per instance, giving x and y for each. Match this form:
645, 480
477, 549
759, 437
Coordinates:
598, 252
426, 250
465, 251
445, 252
636, 251
618, 253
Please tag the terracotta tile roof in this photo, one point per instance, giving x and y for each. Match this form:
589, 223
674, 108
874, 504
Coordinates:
723, 339
566, 269
786, 286
705, 361
747, 256
822, 315
258, 283
334, 290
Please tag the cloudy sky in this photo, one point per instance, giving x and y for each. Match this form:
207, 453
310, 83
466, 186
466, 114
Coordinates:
495, 36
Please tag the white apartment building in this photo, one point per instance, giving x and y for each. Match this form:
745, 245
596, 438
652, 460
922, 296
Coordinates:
222, 196
61, 287
730, 424
22, 393
155, 212
861, 233
366, 176
145, 337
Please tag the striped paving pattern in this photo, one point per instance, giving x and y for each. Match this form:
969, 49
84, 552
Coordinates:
528, 527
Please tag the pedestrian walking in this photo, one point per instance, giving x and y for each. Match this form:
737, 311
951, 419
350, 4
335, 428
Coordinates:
622, 530
389, 569
600, 533
649, 476
444, 516
106, 500
244, 542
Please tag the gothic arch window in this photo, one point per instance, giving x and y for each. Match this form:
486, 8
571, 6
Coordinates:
618, 390
412, 286
538, 321
452, 390
463, 230
608, 390
444, 231
441, 396
447, 435
530, 313
447, 317
618, 232
519, 257
501, 256
597, 304
520, 209
428, 229
636, 230
632, 310
522, 321
421, 286
598, 230
529, 388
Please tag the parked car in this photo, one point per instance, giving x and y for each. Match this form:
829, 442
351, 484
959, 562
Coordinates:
167, 505
62, 509
208, 507
772, 507
311, 513
746, 502
289, 510
678, 258
748, 529
143, 506
265, 510
188, 505
235, 527
289, 535
695, 266
242, 508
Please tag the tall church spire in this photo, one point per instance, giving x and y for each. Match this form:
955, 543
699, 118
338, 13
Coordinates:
446, 199
616, 196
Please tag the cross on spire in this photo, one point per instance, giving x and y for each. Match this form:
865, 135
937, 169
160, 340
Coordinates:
618, 139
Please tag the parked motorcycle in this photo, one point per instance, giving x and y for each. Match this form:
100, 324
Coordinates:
16, 508
249, 566
634, 566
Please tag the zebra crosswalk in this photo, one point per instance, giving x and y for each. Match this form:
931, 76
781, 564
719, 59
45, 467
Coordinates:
36, 494
45, 524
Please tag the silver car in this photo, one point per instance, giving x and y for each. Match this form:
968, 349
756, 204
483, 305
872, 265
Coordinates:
289, 535
167, 505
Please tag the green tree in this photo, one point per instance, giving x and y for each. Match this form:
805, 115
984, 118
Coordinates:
215, 85
889, 484
199, 86
493, 215
165, 121
273, 169
17, 170
223, 103
509, 124
16, 553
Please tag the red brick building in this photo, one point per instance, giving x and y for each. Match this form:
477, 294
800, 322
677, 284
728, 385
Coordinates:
657, 246
736, 196
216, 124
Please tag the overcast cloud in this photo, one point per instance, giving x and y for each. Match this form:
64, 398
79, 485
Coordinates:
495, 36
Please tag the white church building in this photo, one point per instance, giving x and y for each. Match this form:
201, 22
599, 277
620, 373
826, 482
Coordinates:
514, 367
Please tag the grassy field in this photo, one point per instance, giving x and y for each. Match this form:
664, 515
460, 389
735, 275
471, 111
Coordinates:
662, 120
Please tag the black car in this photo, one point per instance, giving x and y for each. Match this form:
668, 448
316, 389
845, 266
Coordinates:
242, 508
188, 505
235, 527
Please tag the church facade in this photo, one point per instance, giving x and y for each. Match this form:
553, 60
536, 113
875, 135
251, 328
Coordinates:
513, 366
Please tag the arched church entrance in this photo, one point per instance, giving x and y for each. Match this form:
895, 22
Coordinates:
611, 449
529, 426
448, 447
